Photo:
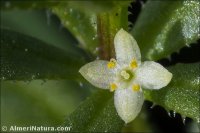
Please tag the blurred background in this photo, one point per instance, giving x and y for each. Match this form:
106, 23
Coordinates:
39, 102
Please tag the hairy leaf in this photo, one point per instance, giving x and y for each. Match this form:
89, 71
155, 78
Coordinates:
26, 58
81, 24
96, 114
86, 24
182, 95
164, 27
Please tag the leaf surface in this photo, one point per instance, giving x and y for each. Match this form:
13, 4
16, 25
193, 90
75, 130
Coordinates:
164, 27
26, 58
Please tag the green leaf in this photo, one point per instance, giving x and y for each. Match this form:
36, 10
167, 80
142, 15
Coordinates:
87, 25
182, 95
26, 58
96, 114
81, 24
94, 6
38, 103
44, 26
164, 27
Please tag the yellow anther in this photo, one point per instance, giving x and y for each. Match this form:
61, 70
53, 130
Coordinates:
133, 64
111, 63
136, 87
113, 87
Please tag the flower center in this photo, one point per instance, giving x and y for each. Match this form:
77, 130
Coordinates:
126, 74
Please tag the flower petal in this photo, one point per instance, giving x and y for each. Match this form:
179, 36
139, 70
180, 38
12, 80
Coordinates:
126, 47
152, 75
98, 74
128, 103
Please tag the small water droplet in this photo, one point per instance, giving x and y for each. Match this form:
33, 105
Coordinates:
169, 114
174, 114
43, 81
48, 13
97, 49
33, 77
94, 37
25, 49
27, 82
70, 10
184, 119
74, 29
187, 45
152, 106
67, 22
34, 5
80, 84
3, 78
198, 120
7, 4
13, 41
129, 13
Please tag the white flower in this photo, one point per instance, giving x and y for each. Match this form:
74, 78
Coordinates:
126, 75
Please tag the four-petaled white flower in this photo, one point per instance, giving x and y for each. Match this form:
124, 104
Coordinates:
126, 76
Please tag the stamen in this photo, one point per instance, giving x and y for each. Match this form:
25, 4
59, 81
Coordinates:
112, 63
136, 87
113, 87
133, 64
125, 75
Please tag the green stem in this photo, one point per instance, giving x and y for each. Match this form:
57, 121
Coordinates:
108, 23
